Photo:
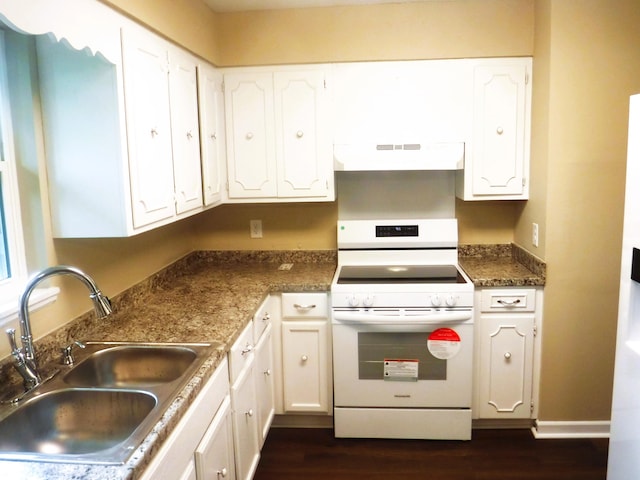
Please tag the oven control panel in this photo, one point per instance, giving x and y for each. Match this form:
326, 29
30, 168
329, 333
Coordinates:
416, 299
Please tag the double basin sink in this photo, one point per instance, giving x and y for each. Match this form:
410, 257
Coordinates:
100, 409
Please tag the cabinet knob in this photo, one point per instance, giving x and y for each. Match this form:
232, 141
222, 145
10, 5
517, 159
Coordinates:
154, 131
189, 135
247, 349
249, 136
266, 317
249, 413
214, 136
299, 134
267, 372
222, 473
507, 355
499, 130
304, 358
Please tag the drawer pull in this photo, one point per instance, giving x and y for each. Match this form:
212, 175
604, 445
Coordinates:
247, 349
266, 317
509, 303
222, 473
304, 307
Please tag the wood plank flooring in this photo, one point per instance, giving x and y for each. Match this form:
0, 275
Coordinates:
311, 454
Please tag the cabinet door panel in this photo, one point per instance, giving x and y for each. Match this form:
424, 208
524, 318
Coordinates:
305, 367
212, 134
506, 358
264, 384
185, 132
146, 75
499, 130
214, 456
250, 135
245, 427
301, 139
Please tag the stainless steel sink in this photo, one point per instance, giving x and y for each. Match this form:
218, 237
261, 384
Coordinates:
100, 409
75, 421
132, 365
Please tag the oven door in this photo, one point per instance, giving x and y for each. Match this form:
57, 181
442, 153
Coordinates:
388, 363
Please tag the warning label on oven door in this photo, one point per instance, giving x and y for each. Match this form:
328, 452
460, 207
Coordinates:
402, 370
444, 343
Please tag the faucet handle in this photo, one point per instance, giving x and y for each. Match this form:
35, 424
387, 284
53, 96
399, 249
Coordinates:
67, 352
11, 333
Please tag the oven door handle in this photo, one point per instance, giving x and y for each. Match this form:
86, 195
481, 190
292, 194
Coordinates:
445, 317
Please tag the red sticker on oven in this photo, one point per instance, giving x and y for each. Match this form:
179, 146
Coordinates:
444, 343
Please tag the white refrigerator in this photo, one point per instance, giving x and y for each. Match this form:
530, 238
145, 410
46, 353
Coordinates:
624, 444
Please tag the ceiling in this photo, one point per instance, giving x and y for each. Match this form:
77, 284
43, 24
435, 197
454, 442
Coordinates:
246, 5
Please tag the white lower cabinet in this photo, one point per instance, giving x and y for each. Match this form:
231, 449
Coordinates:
306, 356
214, 458
506, 329
264, 384
175, 460
244, 414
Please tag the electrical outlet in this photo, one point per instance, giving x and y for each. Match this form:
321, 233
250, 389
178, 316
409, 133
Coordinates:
534, 234
255, 227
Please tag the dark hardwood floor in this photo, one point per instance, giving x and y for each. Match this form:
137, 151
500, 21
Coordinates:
309, 454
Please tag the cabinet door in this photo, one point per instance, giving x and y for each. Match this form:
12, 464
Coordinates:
506, 365
251, 155
264, 384
212, 134
305, 366
146, 80
304, 156
214, 455
499, 130
245, 426
185, 131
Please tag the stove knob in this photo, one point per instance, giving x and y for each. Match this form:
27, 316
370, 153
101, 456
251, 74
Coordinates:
436, 300
452, 300
368, 301
353, 301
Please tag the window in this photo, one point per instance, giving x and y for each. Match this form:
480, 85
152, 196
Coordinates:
12, 256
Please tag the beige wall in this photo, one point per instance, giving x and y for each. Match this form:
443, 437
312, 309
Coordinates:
586, 66
396, 31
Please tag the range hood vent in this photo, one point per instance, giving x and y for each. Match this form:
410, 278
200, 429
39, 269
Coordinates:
398, 156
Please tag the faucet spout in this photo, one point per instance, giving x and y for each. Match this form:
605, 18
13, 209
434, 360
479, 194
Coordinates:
26, 357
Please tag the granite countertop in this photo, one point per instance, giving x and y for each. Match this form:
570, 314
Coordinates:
501, 266
210, 297
206, 297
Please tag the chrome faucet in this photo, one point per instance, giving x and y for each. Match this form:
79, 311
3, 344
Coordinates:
25, 357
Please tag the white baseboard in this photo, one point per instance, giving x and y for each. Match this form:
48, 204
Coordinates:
594, 429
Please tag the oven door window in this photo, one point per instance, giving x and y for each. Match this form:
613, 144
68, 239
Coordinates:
396, 356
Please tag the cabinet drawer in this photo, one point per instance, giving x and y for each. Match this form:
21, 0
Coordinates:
261, 319
511, 300
304, 305
241, 353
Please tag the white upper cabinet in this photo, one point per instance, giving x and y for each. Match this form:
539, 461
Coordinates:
278, 146
251, 152
497, 156
185, 130
212, 134
146, 84
123, 138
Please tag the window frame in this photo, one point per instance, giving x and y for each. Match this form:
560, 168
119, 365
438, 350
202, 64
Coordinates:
10, 287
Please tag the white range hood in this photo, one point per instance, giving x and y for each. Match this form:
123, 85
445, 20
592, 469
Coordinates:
398, 156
